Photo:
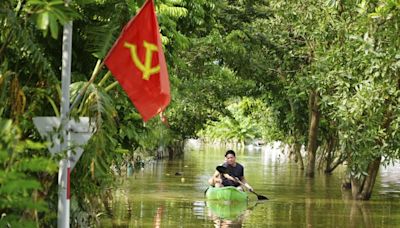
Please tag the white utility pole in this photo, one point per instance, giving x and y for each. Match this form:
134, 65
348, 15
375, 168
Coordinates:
64, 170
64, 133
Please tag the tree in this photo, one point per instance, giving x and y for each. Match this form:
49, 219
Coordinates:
366, 90
247, 119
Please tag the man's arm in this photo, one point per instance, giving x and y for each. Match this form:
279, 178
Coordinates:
229, 177
243, 180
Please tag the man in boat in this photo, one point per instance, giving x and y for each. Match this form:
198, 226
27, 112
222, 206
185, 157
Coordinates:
233, 170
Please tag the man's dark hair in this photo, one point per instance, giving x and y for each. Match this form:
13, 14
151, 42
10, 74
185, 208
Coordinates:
230, 152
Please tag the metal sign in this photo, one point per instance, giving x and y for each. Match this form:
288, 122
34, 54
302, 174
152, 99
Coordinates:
80, 131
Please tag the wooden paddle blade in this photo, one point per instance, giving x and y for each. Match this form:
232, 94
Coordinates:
222, 169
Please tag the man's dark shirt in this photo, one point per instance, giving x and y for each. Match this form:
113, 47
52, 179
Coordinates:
237, 171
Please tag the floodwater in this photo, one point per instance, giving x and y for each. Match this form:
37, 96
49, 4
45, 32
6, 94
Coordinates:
171, 194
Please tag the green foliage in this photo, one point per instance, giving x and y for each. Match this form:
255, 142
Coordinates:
20, 43
346, 51
243, 69
247, 119
99, 27
213, 85
50, 14
93, 167
19, 186
361, 88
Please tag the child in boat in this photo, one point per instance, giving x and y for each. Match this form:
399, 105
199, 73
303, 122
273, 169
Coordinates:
217, 179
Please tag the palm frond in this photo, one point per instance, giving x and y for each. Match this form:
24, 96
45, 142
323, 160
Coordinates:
100, 39
102, 23
96, 104
24, 46
99, 107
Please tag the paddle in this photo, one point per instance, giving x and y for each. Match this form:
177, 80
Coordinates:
224, 170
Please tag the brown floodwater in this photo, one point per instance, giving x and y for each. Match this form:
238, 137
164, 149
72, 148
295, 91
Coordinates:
171, 194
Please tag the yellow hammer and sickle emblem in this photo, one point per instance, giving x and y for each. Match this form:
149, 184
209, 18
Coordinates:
145, 67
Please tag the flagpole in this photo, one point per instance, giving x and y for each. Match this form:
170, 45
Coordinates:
64, 169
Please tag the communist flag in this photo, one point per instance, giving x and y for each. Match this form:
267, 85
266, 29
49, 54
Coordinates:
137, 61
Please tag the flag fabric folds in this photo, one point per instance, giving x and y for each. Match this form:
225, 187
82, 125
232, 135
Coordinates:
137, 61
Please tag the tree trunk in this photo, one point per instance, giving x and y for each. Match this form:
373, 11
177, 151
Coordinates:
330, 156
297, 148
342, 158
369, 182
312, 133
322, 157
363, 191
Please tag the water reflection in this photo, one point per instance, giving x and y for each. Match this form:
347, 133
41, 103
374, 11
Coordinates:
157, 217
199, 208
226, 210
171, 194
218, 222
360, 214
229, 214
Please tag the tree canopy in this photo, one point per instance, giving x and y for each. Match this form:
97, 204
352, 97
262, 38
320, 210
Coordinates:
318, 73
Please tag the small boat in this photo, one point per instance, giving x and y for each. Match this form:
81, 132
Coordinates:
228, 193
227, 210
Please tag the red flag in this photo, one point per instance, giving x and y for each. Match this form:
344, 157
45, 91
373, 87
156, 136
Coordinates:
137, 61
